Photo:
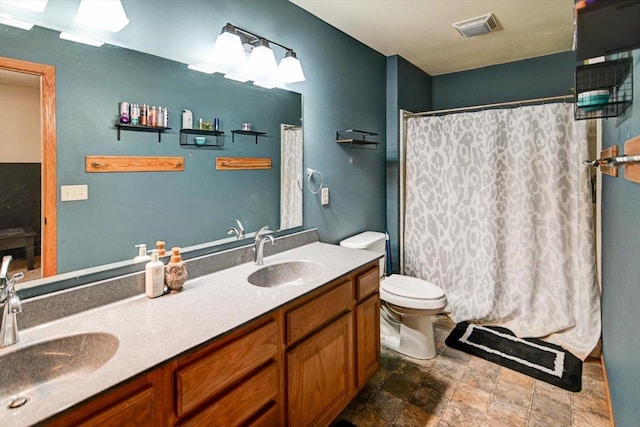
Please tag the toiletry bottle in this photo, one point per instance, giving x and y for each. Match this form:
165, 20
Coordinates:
160, 117
153, 116
135, 114
154, 276
165, 116
142, 253
144, 115
175, 272
160, 245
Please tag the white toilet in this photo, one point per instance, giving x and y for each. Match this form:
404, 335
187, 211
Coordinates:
407, 304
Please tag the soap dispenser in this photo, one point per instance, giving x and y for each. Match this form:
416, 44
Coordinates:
161, 250
175, 272
142, 253
154, 276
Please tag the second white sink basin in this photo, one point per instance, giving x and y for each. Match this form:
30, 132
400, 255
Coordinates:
290, 273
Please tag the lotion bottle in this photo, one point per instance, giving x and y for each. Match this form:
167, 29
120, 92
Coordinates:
154, 276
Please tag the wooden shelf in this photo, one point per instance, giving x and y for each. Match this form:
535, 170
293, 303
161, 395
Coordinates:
246, 132
139, 128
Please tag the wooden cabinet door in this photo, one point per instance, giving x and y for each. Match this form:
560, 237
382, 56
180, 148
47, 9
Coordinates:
367, 339
320, 378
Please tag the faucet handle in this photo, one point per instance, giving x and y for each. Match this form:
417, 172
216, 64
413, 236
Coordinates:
15, 305
241, 231
261, 231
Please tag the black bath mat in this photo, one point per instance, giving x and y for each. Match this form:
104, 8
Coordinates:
533, 357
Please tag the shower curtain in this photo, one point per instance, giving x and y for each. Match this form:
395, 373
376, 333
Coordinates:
498, 214
290, 175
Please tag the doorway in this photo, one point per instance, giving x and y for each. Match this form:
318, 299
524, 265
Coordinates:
23, 234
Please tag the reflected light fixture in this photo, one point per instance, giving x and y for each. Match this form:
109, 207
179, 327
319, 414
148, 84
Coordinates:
36, 5
206, 70
80, 39
290, 70
102, 14
230, 59
7, 20
262, 61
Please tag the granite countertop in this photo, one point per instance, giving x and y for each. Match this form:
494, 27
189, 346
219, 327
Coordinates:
153, 331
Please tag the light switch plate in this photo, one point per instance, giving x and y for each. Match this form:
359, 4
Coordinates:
325, 196
69, 193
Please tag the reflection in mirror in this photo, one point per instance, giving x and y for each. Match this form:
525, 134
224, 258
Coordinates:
190, 209
291, 176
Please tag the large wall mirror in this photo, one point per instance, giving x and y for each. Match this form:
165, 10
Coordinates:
193, 208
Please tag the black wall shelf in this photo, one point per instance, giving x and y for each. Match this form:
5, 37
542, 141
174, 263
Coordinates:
614, 77
139, 128
214, 135
606, 27
356, 138
246, 132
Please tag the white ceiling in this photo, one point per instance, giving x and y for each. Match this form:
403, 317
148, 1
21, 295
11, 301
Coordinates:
421, 31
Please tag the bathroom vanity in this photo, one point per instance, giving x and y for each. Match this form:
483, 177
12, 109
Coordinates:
225, 352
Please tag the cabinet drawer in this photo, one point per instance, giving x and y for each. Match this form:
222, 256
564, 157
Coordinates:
135, 410
315, 313
367, 283
240, 404
210, 374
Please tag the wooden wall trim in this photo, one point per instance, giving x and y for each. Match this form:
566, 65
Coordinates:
47, 75
607, 392
242, 163
133, 164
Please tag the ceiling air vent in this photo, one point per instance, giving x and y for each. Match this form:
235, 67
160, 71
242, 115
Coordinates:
477, 26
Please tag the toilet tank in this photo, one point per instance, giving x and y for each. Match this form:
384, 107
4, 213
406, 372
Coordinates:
373, 241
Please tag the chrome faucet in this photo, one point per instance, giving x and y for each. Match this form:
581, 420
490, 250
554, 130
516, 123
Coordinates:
9, 303
258, 245
239, 232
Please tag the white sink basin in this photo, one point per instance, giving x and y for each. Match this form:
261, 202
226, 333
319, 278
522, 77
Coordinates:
49, 362
290, 273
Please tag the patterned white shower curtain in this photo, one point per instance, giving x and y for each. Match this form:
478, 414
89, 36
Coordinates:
498, 214
290, 176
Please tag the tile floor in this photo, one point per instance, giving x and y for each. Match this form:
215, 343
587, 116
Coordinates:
457, 389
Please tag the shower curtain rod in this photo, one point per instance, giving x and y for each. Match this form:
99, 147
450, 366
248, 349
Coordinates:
482, 107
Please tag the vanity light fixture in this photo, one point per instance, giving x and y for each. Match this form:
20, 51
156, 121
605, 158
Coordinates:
80, 39
7, 20
35, 5
228, 52
230, 59
102, 14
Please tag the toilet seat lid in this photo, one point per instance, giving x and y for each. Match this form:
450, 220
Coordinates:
411, 287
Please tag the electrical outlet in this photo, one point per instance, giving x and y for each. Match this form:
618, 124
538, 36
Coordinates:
350, 160
325, 196
69, 193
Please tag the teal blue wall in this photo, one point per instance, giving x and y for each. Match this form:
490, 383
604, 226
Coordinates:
544, 76
345, 88
408, 88
621, 269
